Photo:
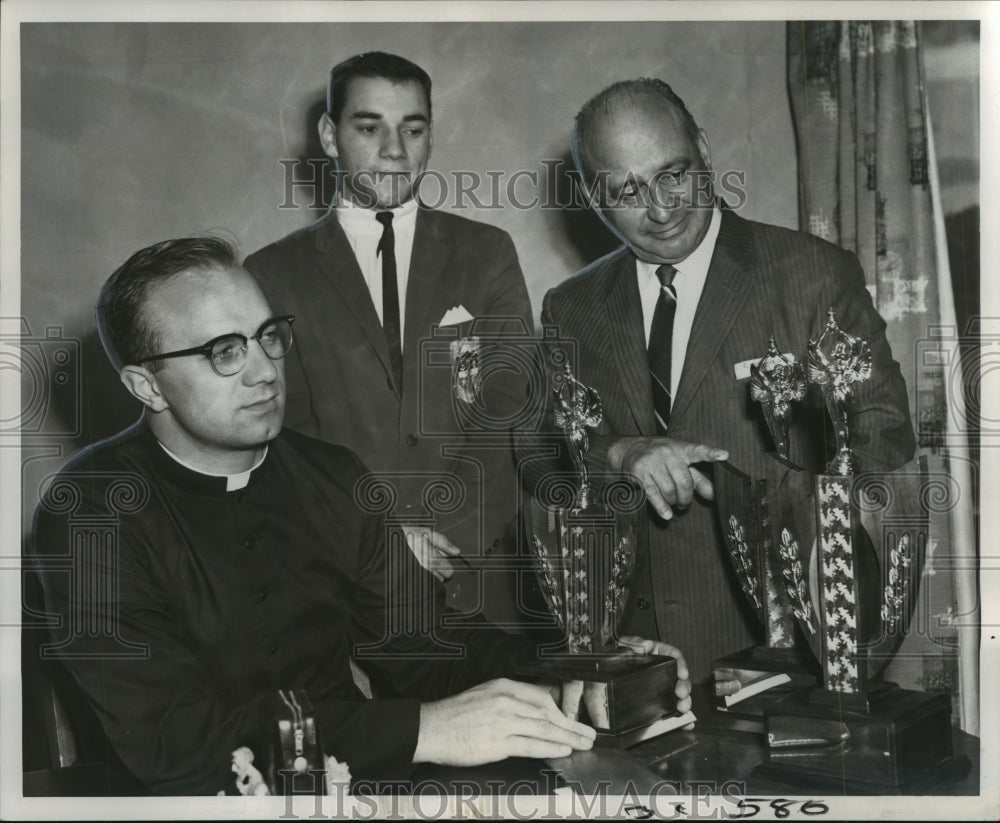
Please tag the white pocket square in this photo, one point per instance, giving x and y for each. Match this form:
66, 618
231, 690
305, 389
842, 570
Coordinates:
454, 316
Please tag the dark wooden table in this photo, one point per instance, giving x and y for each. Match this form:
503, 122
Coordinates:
717, 757
721, 756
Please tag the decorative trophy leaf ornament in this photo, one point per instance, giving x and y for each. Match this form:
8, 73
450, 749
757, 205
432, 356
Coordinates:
745, 562
795, 584
584, 537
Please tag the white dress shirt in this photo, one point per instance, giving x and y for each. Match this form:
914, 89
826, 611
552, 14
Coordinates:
688, 283
363, 233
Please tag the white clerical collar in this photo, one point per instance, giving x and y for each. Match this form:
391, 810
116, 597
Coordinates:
234, 482
359, 220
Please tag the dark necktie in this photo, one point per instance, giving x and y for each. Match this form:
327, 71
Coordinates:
660, 334
390, 296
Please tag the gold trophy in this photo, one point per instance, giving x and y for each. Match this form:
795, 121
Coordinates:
583, 538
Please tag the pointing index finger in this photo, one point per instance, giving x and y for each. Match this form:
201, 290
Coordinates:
702, 453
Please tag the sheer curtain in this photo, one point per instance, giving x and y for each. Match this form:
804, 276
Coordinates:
867, 181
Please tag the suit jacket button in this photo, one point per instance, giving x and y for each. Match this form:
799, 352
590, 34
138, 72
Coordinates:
642, 603
411, 439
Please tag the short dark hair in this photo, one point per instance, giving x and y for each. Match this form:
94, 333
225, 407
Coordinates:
372, 64
602, 104
126, 333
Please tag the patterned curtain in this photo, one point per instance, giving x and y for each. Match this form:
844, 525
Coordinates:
867, 182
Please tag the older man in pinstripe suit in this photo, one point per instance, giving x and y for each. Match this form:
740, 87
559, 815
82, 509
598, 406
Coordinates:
663, 329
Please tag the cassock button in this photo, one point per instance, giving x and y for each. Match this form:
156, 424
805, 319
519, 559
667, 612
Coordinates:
261, 595
642, 603
250, 542
389, 385
272, 648
411, 439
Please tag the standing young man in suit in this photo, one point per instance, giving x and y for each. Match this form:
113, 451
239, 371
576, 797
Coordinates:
660, 327
385, 291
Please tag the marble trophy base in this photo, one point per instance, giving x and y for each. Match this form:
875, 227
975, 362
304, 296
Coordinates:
889, 741
770, 677
636, 693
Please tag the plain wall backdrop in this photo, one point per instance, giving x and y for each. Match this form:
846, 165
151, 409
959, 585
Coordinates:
134, 133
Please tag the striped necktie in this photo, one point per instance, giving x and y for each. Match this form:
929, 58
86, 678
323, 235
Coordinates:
660, 334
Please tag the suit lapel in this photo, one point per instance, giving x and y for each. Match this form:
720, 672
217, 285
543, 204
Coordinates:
341, 268
426, 287
628, 341
730, 278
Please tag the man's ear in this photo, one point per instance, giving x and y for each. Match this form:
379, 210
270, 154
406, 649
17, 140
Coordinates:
328, 135
705, 149
144, 387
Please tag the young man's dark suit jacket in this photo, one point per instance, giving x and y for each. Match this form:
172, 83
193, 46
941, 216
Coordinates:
762, 280
340, 385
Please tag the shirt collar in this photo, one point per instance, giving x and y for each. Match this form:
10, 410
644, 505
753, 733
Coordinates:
211, 481
361, 220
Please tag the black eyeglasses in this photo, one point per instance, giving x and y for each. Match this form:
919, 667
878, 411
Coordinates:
228, 352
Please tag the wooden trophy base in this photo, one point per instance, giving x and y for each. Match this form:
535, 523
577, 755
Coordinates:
770, 678
632, 696
889, 741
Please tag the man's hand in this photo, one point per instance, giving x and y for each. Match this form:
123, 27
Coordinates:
432, 550
682, 691
664, 468
493, 721
726, 682
594, 698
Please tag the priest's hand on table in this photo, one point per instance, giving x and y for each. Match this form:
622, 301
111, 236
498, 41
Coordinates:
495, 720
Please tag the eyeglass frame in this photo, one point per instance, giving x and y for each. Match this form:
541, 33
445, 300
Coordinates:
206, 348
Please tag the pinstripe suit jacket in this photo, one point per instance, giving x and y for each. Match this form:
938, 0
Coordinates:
762, 280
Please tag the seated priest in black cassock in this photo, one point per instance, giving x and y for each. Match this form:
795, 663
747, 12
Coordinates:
243, 564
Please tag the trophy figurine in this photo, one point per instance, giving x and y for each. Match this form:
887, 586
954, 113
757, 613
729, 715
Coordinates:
583, 538
576, 408
837, 361
775, 383
858, 731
